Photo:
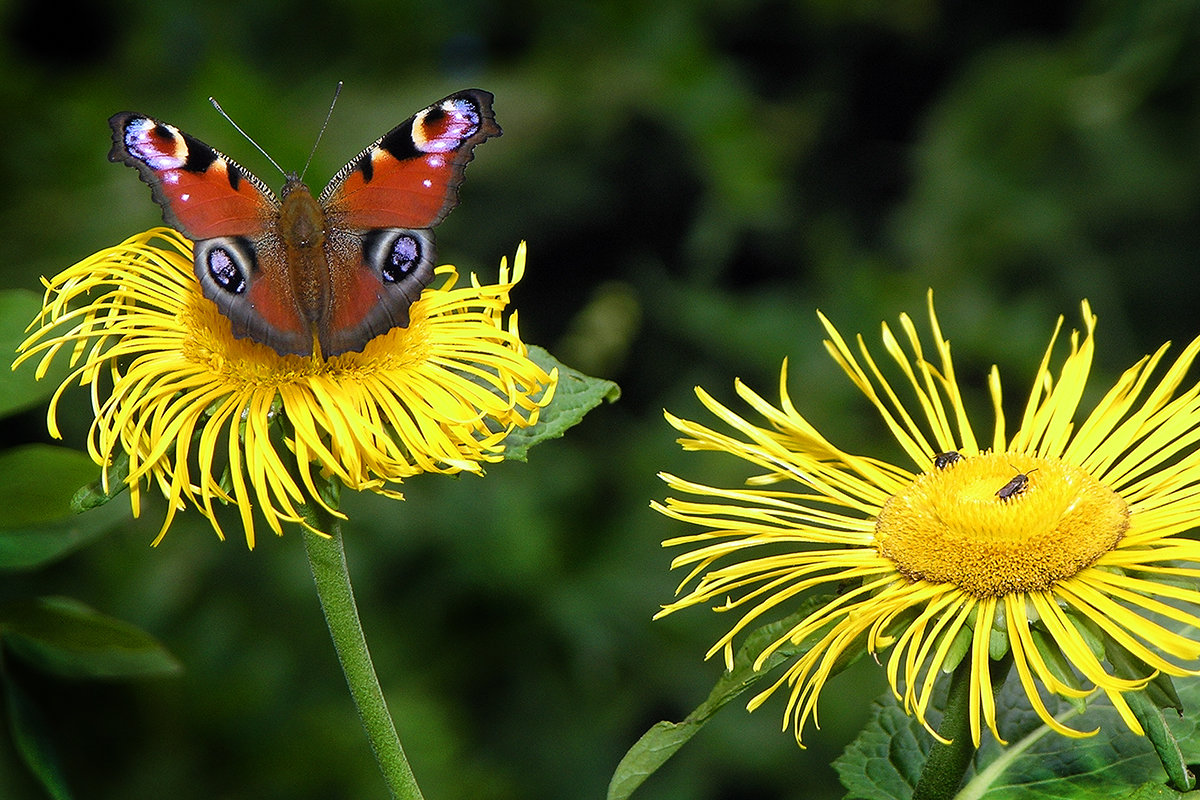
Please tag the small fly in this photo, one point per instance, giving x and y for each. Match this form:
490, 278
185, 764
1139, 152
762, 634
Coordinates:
1016, 486
943, 460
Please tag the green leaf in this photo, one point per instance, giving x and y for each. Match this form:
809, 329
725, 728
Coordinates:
883, 763
31, 737
93, 495
19, 389
43, 478
575, 395
1147, 707
664, 739
1162, 738
42, 526
67, 638
1156, 791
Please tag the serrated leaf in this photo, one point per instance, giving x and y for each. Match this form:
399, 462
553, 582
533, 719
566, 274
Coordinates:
575, 395
1036, 764
67, 638
884, 762
31, 738
19, 389
43, 526
664, 739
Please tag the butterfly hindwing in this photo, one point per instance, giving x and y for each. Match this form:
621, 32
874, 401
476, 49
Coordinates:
250, 280
374, 278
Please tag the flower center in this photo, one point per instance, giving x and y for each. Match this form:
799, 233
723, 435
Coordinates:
996, 524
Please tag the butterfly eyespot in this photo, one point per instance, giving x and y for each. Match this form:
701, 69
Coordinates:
405, 256
225, 264
444, 127
224, 271
399, 255
154, 144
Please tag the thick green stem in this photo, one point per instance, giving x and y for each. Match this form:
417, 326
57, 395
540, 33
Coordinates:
327, 558
947, 763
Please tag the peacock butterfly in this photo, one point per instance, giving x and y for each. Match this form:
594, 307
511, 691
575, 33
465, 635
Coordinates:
340, 268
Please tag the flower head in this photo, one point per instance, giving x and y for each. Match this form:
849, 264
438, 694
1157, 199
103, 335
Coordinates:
210, 418
1058, 544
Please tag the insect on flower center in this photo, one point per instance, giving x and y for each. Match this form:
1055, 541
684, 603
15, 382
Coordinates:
995, 524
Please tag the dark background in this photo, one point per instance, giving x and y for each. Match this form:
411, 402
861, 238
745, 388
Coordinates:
694, 181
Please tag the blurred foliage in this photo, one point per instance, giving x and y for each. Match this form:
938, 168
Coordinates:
694, 180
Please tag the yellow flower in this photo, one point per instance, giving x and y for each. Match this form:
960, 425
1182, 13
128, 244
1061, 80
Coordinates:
210, 419
1057, 544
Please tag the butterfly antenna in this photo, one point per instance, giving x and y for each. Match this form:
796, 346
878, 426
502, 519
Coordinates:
257, 146
337, 91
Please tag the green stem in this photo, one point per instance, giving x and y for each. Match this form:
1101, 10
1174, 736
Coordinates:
947, 763
327, 559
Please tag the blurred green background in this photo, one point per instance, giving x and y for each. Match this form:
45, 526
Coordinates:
694, 181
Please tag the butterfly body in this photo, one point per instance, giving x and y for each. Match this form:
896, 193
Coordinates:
334, 270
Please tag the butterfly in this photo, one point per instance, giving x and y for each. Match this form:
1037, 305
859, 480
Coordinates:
340, 268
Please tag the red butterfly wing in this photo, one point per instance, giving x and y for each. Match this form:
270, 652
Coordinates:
203, 193
409, 178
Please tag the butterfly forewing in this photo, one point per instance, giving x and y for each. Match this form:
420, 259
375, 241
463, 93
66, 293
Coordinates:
409, 177
203, 193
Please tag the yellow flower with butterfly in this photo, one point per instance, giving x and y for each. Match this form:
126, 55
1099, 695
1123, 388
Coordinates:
281, 344
265, 352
